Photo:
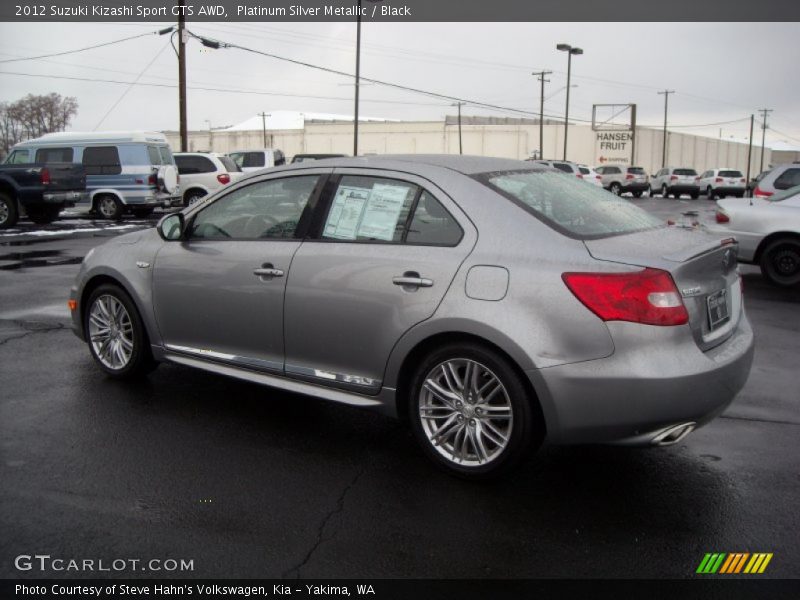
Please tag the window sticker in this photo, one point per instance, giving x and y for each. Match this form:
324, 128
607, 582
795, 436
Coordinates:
370, 213
345, 216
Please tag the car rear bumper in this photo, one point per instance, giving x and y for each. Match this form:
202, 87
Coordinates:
639, 186
683, 188
730, 189
69, 198
634, 395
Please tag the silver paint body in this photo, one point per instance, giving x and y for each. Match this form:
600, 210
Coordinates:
337, 327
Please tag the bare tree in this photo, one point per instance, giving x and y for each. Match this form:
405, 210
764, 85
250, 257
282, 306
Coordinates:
33, 116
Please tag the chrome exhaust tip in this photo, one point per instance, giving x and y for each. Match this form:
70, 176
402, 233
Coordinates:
674, 434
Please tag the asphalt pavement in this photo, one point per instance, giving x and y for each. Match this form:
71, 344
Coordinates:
245, 481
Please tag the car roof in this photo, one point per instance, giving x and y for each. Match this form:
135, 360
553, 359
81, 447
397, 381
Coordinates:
465, 164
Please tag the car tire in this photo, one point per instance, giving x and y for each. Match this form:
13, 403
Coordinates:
141, 213
9, 214
490, 424
615, 189
637, 194
193, 196
695, 195
780, 262
42, 215
710, 193
109, 207
664, 191
115, 334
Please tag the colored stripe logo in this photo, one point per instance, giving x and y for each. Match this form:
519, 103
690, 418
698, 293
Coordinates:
734, 563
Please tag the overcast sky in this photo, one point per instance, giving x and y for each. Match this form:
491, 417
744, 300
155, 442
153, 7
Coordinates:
720, 71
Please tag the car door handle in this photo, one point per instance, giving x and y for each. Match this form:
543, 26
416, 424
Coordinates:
267, 270
412, 281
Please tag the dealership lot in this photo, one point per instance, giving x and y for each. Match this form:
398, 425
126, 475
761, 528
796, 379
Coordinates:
250, 482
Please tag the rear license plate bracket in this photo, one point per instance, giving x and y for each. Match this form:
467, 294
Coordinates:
717, 305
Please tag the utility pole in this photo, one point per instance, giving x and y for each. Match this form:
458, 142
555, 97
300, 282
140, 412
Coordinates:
358, 79
764, 112
750, 155
263, 116
460, 146
664, 147
541, 77
182, 79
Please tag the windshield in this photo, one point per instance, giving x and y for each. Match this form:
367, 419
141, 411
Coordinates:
570, 205
784, 194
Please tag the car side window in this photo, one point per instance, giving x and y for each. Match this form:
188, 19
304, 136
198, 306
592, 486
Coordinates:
264, 210
101, 160
432, 224
18, 157
369, 209
563, 167
53, 155
789, 178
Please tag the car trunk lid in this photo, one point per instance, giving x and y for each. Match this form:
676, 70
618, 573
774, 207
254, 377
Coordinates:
702, 265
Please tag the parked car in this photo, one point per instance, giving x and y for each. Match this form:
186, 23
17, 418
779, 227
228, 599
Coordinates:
675, 181
768, 232
722, 182
38, 190
491, 302
619, 179
307, 157
126, 172
255, 160
776, 179
203, 173
565, 166
591, 175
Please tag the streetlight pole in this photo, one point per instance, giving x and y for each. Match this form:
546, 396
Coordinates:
570, 50
664, 142
541, 77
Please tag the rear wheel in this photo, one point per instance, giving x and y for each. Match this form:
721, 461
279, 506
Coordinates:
109, 207
615, 189
710, 193
664, 191
116, 335
780, 262
470, 411
695, 195
637, 194
192, 196
41, 215
9, 215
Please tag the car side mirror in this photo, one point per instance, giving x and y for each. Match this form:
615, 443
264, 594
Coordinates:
170, 228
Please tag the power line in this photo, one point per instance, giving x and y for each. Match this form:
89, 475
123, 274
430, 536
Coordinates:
133, 37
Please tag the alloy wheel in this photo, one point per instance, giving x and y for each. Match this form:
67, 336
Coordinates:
111, 332
465, 412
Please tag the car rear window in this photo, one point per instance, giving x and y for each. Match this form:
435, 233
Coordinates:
730, 174
684, 172
563, 167
636, 170
248, 159
789, 178
568, 205
192, 165
584, 170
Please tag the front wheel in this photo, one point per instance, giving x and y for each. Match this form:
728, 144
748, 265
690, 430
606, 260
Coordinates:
42, 215
710, 192
664, 191
637, 194
780, 262
109, 207
115, 334
470, 411
615, 189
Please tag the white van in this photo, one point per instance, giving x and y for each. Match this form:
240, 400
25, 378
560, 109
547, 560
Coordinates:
255, 160
126, 171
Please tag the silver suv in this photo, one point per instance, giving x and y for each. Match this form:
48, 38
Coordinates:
619, 179
675, 181
719, 183
492, 303
780, 178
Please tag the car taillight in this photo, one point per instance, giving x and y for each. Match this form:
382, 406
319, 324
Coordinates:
761, 193
698, 178
597, 177
722, 217
649, 297
151, 180
224, 178
44, 177
673, 177
718, 180
741, 180
628, 176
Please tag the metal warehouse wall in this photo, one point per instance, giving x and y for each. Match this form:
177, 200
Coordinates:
510, 141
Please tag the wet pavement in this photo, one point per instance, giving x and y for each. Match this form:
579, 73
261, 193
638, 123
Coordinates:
250, 482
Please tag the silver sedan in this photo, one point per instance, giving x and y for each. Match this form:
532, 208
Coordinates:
768, 232
492, 303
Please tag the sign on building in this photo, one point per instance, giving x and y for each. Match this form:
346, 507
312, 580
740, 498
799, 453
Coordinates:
614, 127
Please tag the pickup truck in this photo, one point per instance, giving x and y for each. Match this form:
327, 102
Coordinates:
39, 191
